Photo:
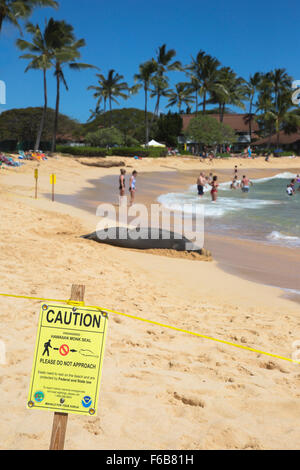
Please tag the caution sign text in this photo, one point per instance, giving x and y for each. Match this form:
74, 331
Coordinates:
68, 360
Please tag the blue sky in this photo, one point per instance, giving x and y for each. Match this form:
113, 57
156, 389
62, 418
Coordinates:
121, 34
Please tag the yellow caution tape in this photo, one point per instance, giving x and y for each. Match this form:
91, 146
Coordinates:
145, 320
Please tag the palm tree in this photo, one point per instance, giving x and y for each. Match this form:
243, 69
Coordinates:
181, 95
100, 94
12, 10
203, 72
164, 63
274, 102
94, 113
40, 57
144, 77
110, 89
280, 81
66, 53
229, 89
160, 89
252, 87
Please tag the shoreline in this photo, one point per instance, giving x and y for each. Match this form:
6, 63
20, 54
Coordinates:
254, 260
196, 394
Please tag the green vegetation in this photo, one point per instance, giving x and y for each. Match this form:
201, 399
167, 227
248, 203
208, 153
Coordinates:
169, 127
22, 125
12, 11
208, 131
152, 152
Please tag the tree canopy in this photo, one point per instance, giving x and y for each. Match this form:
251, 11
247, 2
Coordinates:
208, 131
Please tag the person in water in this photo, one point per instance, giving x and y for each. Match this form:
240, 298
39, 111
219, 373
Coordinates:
209, 178
132, 188
122, 185
201, 181
214, 191
291, 188
245, 184
235, 184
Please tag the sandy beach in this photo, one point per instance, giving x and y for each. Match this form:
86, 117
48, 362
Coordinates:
160, 389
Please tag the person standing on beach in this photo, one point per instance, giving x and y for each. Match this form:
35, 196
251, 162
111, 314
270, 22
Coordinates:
200, 184
122, 185
132, 188
214, 191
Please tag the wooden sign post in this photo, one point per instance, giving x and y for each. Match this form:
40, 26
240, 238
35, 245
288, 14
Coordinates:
60, 420
70, 340
36, 176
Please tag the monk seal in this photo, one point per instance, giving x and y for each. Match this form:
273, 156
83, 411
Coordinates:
146, 238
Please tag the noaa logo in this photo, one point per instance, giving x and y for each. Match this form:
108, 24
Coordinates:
39, 397
86, 402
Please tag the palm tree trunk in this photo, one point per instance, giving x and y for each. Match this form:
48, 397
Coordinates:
156, 111
104, 112
110, 116
146, 117
250, 122
40, 132
204, 102
277, 132
53, 148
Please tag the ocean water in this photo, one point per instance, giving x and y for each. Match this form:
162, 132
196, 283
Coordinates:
266, 213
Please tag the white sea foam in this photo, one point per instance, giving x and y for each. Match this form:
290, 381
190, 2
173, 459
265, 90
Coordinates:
283, 176
281, 237
224, 205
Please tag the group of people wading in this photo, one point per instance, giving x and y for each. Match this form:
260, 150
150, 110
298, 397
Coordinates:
212, 181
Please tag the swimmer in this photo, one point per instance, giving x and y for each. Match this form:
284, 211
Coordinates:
235, 184
201, 181
209, 178
214, 192
245, 184
290, 190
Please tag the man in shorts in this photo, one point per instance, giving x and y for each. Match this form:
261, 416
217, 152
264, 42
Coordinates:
200, 184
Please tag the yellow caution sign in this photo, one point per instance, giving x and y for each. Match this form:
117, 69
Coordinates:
68, 359
52, 179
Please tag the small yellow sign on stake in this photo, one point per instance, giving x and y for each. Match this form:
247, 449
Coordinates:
53, 183
68, 360
36, 176
52, 179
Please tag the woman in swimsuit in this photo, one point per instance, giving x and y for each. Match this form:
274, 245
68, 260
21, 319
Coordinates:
122, 185
132, 188
214, 192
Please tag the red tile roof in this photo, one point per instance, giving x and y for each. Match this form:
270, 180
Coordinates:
237, 122
284, 139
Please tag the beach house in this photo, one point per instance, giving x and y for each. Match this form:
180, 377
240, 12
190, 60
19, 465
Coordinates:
238, 122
